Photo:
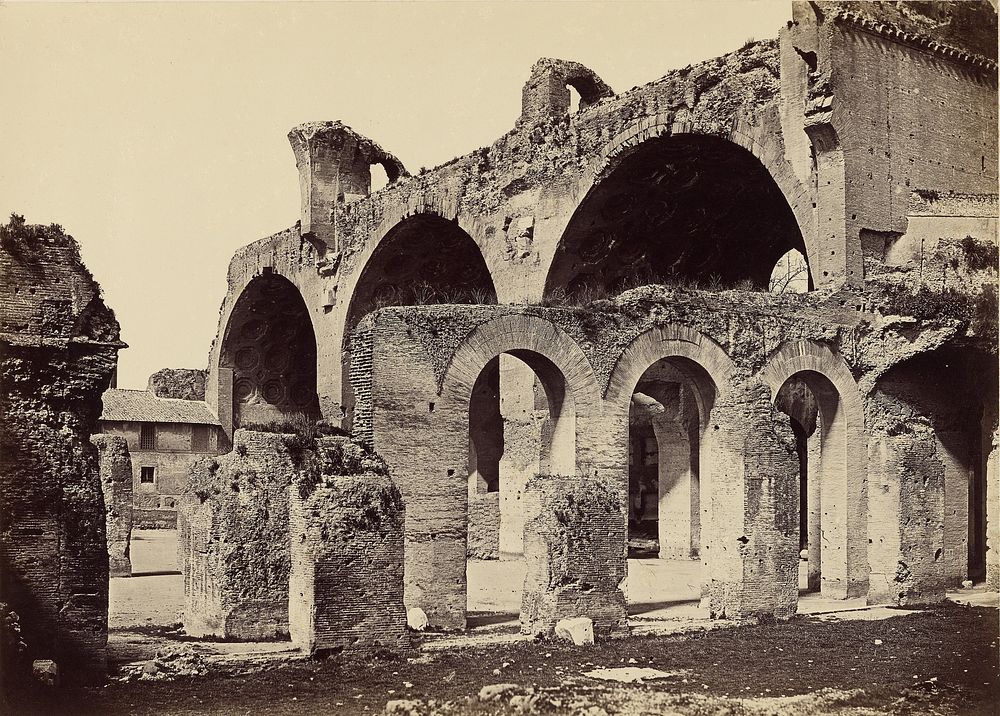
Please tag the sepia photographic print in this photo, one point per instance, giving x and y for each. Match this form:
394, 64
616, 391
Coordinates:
418, 358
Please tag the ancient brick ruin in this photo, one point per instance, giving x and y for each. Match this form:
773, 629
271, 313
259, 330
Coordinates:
58, 348
233, 540
588, 298
576, 339
346, 580
116, 482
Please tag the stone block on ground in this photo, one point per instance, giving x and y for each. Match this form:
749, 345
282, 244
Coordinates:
495, 692
346, 582
233, 543
574, 552
579, 630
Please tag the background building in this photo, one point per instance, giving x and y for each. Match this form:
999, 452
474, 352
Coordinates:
165, 436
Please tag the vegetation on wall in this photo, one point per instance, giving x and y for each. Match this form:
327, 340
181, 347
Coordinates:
980, 255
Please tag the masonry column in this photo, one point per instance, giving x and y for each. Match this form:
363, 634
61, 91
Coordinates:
674, 483
993, 516
814, 451
750, 478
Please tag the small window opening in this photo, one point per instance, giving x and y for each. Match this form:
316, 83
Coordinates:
147, 474
147, 436
574, 99
199, 438
380, 180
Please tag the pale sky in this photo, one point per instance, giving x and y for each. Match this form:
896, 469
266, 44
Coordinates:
155, 133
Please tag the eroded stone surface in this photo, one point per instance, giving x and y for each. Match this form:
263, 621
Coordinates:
233, 539
346, 581
116, 483
58, 349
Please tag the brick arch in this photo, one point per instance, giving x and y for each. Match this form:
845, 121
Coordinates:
549, 351
767, 146
843, 468
421, 207
220, 382
718, 462
636, 189
670, 341
269, 353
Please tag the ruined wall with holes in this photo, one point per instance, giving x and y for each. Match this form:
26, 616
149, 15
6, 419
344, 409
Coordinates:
346, 581
899, 104
116, 484
59, 344
233, 540
872, 126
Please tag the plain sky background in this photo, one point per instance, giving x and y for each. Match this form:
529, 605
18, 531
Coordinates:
155, 133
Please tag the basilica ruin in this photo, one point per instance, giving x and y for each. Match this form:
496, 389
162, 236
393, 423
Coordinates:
572, 341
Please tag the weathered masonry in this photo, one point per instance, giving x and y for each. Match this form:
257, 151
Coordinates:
572, 339
582, 309
58, 348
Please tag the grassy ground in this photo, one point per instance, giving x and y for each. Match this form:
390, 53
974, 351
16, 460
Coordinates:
942, 660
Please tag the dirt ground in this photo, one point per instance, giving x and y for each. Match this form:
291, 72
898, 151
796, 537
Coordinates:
941, 660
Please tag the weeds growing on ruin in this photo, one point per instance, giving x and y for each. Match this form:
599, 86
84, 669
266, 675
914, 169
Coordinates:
980, 255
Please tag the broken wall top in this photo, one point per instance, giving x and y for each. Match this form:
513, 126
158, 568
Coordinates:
47, 295
181, 383
968, 26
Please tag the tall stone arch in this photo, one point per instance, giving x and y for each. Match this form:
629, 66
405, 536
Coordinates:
843, 469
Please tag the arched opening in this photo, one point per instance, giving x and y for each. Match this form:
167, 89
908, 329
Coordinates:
270, 350
425, 259
790, 274
813, 406
505, 453
574, 99
689, 209
379, 177
667, 465
932, 445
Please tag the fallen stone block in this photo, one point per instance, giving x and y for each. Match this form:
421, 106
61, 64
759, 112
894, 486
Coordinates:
579, 630
45, 671
416, 619
495, 692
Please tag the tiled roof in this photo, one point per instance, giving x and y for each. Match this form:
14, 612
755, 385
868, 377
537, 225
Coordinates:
143, 406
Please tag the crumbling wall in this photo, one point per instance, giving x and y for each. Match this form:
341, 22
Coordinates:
924, 425
116, 482
484, 525
233, 539
993, 514
346, 581
183, 383
58, 350
574, 553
